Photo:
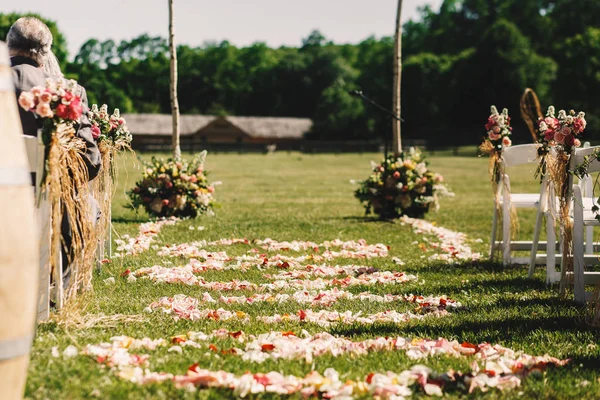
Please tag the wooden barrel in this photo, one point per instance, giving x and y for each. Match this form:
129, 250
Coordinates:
18, 244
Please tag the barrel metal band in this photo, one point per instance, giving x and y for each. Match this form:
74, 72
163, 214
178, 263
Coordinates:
13, 348
14, 176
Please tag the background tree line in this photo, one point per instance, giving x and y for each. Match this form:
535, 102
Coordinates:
457, 62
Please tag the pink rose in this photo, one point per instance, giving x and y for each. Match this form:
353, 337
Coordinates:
396, 175
95, 132
496, 129
44, 110
579, 124
210, 189
37, 90
493, 136
577, 143
549, 135
193, 179
551, 122
27, 101
570, 140
45, 97
565, 130
165, 202
559, 137
506, 141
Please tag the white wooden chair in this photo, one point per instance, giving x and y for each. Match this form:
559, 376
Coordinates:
584, 219
35, 156
513, 156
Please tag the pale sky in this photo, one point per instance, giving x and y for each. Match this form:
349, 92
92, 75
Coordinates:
242, 22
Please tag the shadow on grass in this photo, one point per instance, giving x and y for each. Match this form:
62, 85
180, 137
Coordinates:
129, 220
363, 218
497, 322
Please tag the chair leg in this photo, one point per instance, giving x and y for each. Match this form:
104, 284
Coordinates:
534, 244
550, 250
506, 260
494, 230
578, 254
589, 240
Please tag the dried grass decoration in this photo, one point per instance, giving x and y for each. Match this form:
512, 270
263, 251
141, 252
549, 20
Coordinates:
65, 179
113, 137
560, 134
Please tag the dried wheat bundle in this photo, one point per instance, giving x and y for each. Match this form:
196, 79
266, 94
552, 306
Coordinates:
66, 183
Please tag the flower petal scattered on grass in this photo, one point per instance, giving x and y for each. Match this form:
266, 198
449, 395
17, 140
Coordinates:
452, 245
147, 232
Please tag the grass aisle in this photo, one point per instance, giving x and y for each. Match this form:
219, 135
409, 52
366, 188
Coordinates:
308, 197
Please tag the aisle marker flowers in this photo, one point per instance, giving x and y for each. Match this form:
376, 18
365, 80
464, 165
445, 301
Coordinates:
348, 249
147, 233
493, 366
323, 298
452, 244
187, 275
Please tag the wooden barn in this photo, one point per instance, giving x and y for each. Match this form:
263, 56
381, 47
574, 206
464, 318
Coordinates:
153, 132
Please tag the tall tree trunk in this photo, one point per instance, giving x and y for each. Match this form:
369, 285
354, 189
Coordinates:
397, 142
173, 86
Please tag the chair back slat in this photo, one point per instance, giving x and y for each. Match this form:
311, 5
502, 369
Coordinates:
520, 154
579, 157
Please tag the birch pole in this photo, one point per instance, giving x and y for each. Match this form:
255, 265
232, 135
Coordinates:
396, 127
173, 85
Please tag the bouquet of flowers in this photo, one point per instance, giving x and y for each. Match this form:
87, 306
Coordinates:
58, 104
175, 188
562, 131
402, 185
111, 129
498, 129
498, 136
561, 134
112, 136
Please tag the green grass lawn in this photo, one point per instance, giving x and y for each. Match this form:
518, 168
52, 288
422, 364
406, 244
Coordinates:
287, 196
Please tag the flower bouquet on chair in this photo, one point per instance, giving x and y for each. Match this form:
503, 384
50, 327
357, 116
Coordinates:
113, 137
65, 176
561, 134
498, 136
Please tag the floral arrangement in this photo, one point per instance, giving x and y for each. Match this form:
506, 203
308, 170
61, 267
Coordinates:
498, 129
560, 133
174, 188
109, 128
498, 136
60, 108
57, 104
111, 133
402, 185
